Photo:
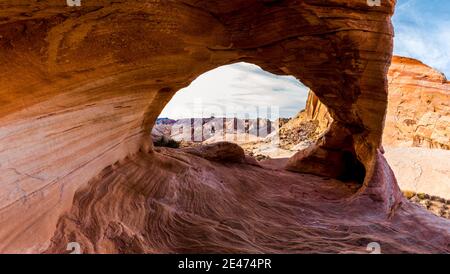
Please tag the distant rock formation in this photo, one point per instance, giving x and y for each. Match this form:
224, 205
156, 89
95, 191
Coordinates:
165, 121
418, 120
215, 128
315, 110
307, 126
418, 112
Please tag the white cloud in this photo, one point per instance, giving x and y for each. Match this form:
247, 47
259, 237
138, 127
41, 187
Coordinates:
423, 34
431, 47
238, 88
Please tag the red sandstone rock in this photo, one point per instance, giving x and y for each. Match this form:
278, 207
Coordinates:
315, 110
418, 111
220, 152
173, 202
82, 87
417, 116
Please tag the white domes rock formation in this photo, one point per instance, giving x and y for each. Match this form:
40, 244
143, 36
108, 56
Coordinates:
418, 111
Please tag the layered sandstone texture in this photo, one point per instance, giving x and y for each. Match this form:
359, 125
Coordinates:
297, 133
156, 203
309, 124
418, 111
416, 134
80, 89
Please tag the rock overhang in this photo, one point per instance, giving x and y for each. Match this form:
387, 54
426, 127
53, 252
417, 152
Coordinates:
107, 70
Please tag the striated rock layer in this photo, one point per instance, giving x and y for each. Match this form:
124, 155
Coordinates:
418, 111
172, 202
80, 89
315, 110
416, 134
308, 125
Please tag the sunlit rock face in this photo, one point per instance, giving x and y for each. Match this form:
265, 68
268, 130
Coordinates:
416, 133
315, 110
81, 88
418, 110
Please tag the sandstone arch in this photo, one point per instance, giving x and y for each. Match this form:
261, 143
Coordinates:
81, 87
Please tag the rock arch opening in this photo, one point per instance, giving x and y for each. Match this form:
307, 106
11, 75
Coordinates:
236, 103
270, 116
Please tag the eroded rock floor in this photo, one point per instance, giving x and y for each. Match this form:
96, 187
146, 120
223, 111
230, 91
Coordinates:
169, 201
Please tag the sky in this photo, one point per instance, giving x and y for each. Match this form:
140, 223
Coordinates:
422, 31
241, 90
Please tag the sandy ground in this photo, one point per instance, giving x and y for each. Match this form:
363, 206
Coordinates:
421, 170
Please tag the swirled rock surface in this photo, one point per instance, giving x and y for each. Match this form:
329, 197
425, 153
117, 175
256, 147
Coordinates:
173, 202
81, 87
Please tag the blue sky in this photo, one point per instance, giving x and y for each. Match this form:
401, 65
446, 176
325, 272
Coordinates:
422, 31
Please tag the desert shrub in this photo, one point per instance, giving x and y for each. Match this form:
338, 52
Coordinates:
409, 194
166, 142
421, 196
